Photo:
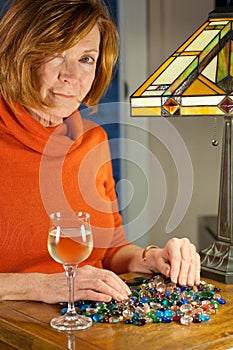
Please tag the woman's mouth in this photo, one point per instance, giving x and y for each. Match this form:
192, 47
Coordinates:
63, 95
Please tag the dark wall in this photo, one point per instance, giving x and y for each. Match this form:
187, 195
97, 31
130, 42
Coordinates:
223, 3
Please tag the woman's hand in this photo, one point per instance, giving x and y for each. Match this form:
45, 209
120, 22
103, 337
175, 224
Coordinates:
91, 284
178, 260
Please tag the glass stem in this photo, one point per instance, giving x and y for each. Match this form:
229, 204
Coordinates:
71, 341
70, 274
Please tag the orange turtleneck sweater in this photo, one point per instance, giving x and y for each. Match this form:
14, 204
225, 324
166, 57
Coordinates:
43, 170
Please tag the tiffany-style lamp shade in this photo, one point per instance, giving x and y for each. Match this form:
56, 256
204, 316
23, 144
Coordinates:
197, 80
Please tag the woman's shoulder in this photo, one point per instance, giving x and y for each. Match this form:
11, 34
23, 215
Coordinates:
93, 127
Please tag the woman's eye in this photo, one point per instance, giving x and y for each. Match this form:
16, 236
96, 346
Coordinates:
58, 59
88, 59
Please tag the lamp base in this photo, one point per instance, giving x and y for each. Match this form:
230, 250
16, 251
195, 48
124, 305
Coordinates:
217, 262
223, 277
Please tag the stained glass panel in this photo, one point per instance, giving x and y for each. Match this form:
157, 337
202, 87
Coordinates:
196, 80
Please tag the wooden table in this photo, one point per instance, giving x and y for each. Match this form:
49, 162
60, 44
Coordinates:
25, 326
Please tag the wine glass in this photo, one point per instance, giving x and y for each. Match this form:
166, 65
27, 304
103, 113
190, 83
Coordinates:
70, 242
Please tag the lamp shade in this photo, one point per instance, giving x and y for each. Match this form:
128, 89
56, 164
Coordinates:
197, 80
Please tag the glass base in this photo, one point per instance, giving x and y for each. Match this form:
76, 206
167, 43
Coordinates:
71, 323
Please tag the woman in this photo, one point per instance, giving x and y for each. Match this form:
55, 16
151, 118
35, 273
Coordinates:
55, 55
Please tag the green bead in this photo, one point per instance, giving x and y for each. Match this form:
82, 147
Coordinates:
175, 296
157, 319
206, 294
167, 303
215, 303
140, 279
101, 306
150, 314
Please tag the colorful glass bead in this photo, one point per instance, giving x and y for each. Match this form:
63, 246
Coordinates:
159, 313
161, 287
63, 310
113, 319
148, 319
209, 287
177, 290
221, 301
145, 297
186, 309
141, 311
127, 314
177, 317
195, 304
157, 319
141, 322
104, 320
204, 317
215, 304
100, 306
151, 284
186, 320
158, 279
197, 318
166, 319
97, 317
206, 294
84, 306
217, 296
129, 321
90, 311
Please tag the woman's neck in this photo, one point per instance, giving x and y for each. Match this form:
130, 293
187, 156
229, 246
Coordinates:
45, 119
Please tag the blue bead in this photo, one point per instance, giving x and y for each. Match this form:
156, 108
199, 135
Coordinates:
166, 319
97, 317
169, 313
63, 311
184, 301
84, 307
144, 300
129, 321
204, 318
221, 301
159, 313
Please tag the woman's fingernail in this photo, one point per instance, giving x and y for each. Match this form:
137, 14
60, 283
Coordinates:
119, 297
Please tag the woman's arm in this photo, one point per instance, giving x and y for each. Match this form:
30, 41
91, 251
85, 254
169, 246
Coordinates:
91, 284
20, 286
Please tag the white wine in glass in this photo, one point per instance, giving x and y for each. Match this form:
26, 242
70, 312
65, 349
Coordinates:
70, 242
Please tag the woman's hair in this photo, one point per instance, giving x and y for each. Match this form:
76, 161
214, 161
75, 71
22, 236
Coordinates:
34, 30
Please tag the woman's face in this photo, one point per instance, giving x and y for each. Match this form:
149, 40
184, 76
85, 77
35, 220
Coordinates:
65, 80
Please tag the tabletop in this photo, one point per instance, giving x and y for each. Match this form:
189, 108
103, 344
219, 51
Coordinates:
24, 325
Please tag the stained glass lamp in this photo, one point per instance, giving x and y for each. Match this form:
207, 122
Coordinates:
197, 80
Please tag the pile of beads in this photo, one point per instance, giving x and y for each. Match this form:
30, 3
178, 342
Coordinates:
157, 300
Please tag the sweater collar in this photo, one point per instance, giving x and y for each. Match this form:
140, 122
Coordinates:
29, 132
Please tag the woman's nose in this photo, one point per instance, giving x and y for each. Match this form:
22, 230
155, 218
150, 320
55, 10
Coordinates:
69, 73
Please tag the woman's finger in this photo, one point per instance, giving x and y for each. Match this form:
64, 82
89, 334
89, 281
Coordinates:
102, 281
